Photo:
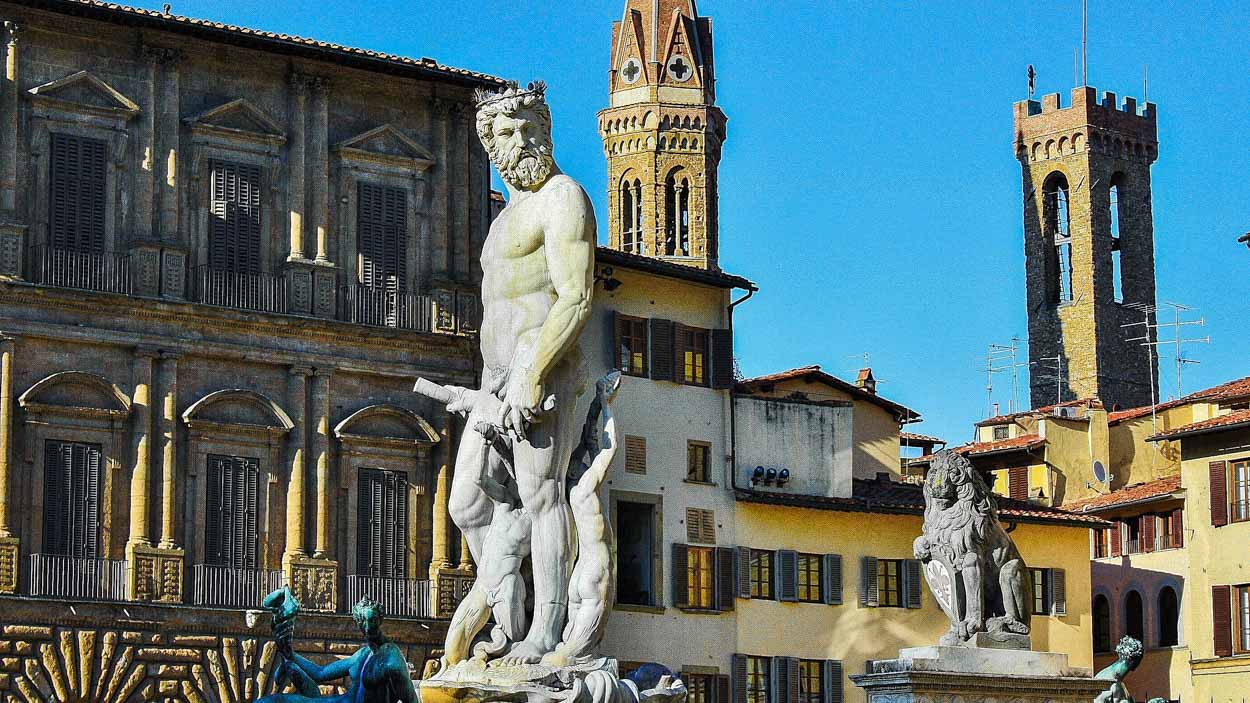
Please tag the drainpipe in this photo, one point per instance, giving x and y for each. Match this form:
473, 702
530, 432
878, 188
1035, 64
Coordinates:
733, 425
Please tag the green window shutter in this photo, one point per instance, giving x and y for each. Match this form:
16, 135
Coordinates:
868, 582
831, 579
739, 666
1058, 592
832, 673
57, 470
77, 199
234, 217
744, 572
613, 340
726, 578
365, 520
399, 565
780, 679
681, 576
724, 691
787, 565
912, 582
722, 359
663, 350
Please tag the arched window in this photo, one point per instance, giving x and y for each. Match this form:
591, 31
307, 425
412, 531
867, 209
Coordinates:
1102, 624
1169, 618
1057, 228
677, 214
631, 216
1117, 272
1134, 617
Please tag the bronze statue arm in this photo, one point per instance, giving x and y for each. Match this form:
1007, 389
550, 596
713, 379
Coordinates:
330, 672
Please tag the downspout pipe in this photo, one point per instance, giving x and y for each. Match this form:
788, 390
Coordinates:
733, 424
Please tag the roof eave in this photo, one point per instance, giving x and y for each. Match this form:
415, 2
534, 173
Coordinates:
1161, 498
1164, 437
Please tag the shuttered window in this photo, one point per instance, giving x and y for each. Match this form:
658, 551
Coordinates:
382, 236
703, 578
700, 688
663, 351
1018, 483
630, 345
832, 588
77, 175
890, 583
697, 469
231, 516
722, 359
1050, 592
1222, 620
1241, 606
692, 355
758, 680
1218, 474
234, 217
71, 499
786, 683
1240, 507
810, 577
761, 573
820, 681
787, 575
382, 524
700, 526
635, 454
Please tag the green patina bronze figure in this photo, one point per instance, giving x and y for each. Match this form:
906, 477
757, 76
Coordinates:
377, 672
1130, 654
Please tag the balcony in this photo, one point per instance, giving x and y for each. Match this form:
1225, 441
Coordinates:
229, 587
234, 289
409, 598
381, 307
79, 578
67, 268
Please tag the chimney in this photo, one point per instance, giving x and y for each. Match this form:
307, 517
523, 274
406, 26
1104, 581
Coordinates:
866, 381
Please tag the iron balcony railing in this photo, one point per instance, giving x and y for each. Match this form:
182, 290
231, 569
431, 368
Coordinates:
1132, 546
67, 268
381, 307
79, 578
229, 587
1239, 510
399, 597
235, 289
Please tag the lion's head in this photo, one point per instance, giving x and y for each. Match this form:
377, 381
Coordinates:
958, 503
951, 478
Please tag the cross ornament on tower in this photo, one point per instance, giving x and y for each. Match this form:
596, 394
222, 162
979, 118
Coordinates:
630, 70
679, 68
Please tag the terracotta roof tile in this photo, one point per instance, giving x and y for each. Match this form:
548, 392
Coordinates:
877, 496
615, 257
1129, 494
1229, 421
1237, 388
815, 373
1026, 441
926, 439
1044, 410
177, 23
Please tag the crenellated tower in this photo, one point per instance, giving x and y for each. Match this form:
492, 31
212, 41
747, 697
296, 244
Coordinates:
1089, 246
662, 134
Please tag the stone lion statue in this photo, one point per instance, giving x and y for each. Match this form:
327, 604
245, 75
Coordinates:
972, 567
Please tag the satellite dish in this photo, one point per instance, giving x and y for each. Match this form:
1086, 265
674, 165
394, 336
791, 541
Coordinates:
1100, 472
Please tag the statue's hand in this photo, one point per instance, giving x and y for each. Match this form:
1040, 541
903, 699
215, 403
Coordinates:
465, 401
521, 402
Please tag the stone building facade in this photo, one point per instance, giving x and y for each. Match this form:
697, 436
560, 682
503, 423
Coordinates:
662, 134
224, 257
1089, 246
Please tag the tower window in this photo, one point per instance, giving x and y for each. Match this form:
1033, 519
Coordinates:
631, 217
1117, 270
677, 225
1057, 227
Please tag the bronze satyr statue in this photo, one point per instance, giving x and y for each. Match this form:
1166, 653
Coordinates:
973, 568
377, 672
1129, 654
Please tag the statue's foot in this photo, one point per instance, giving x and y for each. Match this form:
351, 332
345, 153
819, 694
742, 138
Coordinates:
556, 659
525, 652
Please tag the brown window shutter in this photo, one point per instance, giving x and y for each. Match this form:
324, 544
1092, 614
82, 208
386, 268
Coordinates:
722, 359
635, 454
744, 572
663, 350
1117, 539
787, 565
739, 664
726, 578
681, 576
1222, 620
1219, 493
912, 577
868, 582
1147, 532
1178, 528
1018, 483
1058, 591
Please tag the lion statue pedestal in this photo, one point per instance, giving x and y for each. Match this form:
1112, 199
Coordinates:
981, 582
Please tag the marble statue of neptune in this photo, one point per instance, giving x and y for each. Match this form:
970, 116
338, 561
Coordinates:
537, 280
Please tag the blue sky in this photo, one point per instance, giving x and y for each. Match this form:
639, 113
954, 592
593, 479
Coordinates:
868, 183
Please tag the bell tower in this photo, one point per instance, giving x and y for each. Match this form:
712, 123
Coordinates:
662, 134
1089, 246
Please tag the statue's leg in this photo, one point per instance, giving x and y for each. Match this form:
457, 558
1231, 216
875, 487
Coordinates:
541, 463
974, 597
471, 616
1016, 596
510, 610
470, 508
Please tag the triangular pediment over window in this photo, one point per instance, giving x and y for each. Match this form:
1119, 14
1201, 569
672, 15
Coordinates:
386, 144
85, 92
239, 117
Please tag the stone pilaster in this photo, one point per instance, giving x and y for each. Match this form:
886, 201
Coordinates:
442, 240
440, 518
8, 542
296, 494
321, 458
167, 127
167, 429
145, 177
295, 164
320, 183
141, 442
12, 231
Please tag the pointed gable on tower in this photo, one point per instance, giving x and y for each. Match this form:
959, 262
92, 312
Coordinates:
661, 50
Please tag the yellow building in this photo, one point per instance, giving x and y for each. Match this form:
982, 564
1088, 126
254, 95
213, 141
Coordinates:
826, 577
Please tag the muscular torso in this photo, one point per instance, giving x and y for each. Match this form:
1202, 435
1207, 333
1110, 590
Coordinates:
375, 674
517, 293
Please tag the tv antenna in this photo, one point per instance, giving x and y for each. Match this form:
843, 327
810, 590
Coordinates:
1001, 358
1057, 363
1178, 340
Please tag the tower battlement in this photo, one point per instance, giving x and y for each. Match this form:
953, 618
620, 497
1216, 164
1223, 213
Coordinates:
1046, 129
